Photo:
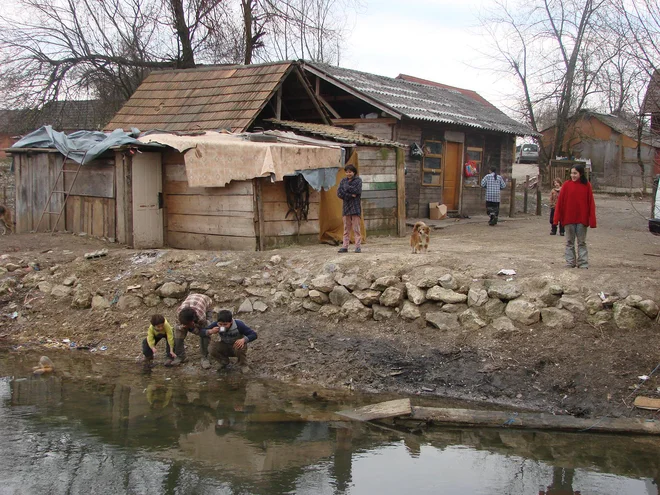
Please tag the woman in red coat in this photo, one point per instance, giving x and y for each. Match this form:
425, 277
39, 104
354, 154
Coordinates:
576, 210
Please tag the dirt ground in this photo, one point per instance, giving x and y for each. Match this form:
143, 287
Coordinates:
586, 371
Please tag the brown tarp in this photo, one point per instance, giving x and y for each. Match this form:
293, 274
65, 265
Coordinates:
331, 225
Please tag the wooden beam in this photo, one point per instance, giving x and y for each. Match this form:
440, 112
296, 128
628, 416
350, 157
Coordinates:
539, 421
382, 410
259, 211
312, 96
328, 107
278, 104
400, 192
388, 121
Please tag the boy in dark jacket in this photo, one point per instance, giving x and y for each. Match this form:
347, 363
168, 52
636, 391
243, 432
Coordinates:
350, 191
231, 341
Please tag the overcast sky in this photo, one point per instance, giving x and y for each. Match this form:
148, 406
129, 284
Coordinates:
432, 39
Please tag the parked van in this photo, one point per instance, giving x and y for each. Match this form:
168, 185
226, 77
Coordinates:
654, 221
527, 153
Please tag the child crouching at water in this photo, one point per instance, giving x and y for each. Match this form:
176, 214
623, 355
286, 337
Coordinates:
159, 329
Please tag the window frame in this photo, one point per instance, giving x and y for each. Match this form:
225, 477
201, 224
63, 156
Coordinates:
434, 171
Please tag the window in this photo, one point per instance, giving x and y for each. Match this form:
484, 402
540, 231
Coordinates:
474, 156
432, 163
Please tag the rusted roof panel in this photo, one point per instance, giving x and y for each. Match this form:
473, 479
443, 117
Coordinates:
205, 98
433, 103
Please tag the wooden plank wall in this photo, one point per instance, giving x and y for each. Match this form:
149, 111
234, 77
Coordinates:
212, 218
280, 230
377, 167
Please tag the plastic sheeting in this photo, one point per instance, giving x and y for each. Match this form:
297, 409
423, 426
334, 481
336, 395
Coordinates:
320, 178
80, 146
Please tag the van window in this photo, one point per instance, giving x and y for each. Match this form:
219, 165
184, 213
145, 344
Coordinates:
530, 147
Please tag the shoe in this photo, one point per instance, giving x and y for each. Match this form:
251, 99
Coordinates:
168, 362
206, 364
358, 250
561, 234
177, 361
343, 250
567, 265
553, 233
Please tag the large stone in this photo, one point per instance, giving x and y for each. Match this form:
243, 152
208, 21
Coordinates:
523, 312
128, 302
352, 282
197, 286
151, 300
383, 283
503, 324
382, 312
339, 295
549, 297
453, 308
70, 281
470, 320
426, 277
649, 307
100, 302
629, 318
557, 318
354, 309
442, 321
318, 297
61, 291
368, 297
82, 299
391, 297
324, 282
594, 304
415, 294
493, 308
600, 318
506, 291
438, 293
276, 259
245, 307
311, 305
571, 303
447, 281
171, 289
280, 298
477, 297
259, 306
295, 306
409, 311
329, 311
170, 302
262, 292
11, 267
301, 293
45, 287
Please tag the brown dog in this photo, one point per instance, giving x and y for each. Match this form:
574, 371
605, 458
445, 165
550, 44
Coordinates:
419, 240
6, 223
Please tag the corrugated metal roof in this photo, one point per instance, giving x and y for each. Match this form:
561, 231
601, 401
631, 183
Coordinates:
432, 103
625, 127
338, 134
205, 98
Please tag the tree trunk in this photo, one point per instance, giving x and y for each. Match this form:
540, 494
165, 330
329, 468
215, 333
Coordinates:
246, 6
187, 60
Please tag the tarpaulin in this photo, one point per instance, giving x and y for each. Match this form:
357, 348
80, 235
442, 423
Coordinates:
320, 178
80, 146
331, 224
213, 159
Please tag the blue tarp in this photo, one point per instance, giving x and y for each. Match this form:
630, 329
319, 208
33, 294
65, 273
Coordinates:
80, 146
320, 178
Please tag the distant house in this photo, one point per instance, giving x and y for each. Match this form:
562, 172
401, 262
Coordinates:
66, 116
610, 142
651, 106
452, 126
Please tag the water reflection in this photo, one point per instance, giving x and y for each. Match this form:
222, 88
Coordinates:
93, 429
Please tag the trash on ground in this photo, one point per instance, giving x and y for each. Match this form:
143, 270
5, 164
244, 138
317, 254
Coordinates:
103, 348
96, 254
506, 271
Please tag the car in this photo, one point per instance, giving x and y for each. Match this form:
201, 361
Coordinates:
654, 221
527, 153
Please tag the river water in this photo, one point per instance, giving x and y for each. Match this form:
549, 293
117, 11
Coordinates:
96, 427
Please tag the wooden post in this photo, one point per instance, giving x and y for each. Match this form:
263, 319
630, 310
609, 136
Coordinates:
538, 198
400, 192
512, 199
525, 194
260, 213
278, 103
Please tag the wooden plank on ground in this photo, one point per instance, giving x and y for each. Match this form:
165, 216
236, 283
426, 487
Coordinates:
642, 402
538, 421
382, 410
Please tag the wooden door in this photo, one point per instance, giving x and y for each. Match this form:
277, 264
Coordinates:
147, 190
452, 175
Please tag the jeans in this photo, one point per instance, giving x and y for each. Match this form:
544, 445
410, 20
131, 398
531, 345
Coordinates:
352, 222
579, 231
222, 352
146, 350
493, 211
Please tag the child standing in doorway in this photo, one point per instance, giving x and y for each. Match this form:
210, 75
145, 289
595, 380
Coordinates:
554, 196
350, 191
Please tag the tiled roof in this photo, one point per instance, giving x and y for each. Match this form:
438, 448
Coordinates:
625, 127
205, 98
337, 134
66, 115
432, 103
